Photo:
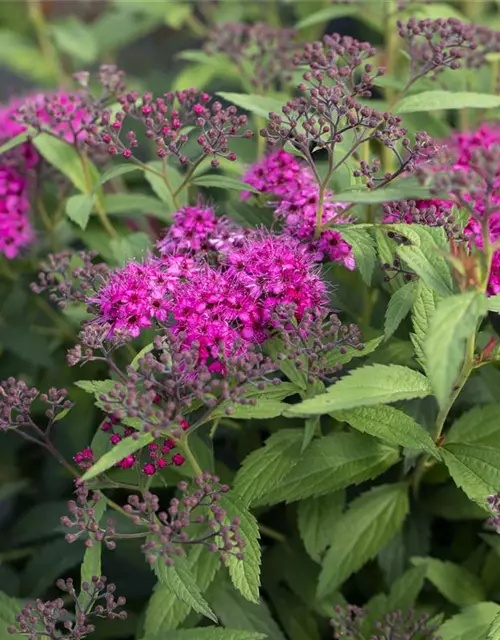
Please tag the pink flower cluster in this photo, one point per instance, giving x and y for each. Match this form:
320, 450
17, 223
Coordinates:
198, 229
63, 116
464, 144
221, 308
292, 184
157, 453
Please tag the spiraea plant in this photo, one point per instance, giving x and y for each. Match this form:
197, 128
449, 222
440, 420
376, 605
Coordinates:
249, 323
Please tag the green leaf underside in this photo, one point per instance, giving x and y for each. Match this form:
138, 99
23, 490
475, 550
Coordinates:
316, 519
391, 425
366, 386
371, 521
330, 464
455, 583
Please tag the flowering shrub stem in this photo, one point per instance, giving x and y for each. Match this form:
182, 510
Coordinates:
42, 31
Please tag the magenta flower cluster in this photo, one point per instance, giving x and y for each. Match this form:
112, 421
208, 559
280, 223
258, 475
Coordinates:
463, 145
220, 308
64, 118
296, 198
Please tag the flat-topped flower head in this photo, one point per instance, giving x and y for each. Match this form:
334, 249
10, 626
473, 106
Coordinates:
16, 232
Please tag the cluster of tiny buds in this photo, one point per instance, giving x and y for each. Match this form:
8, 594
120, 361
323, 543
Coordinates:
172, 530
84, 521
52, 620
348, 621
494, 503
431, 214
261, 52
164, 121
16, 399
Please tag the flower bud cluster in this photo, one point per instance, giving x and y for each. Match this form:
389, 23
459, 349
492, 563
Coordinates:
195, 517
51, 619
83, 520
16, 399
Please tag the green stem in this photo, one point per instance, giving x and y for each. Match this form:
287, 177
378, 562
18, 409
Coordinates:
47, 49
271, 533
101, 212
164, 174
189, 175
183, 444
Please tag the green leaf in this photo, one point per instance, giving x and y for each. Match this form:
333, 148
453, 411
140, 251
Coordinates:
264, 468
399, 306
115, 172
91, 565
236, 612
363, 248
177, 13
79, 208
65, 159
371, 521
455, 583
422, 312
51, 561
9, 609
263, 409
131, 247
332, 463
223, 182
259, 105
451, 503
440, 100
325, 15
421, 262
179, 580
454, 321
276, 346
404, 189
366, 386
124, 448
337, 356
209, 633
127, 203
480, 425
165, 610
245, 574
472, 623
316, 519
494, 631
405, 590
74, 38
43, 520
14, 142
493, 302
159, 185
474, 468
391, 425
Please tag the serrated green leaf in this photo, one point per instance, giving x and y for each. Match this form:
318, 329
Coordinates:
264, 468
363, 248
440, 100
78, 209
370, 522
480, 425
259, 105
236, 612
421, 262
316, 519
333, 463
422, 312
124, 448
209, 633
179, 580
405, 590
165, 610
474, 468
9, 609
455, 583
346, 354
399, 306
494, 630
453, 322
264, 408
245, 574
404, 189
391, 425
473, 623
91, 565
366, 386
